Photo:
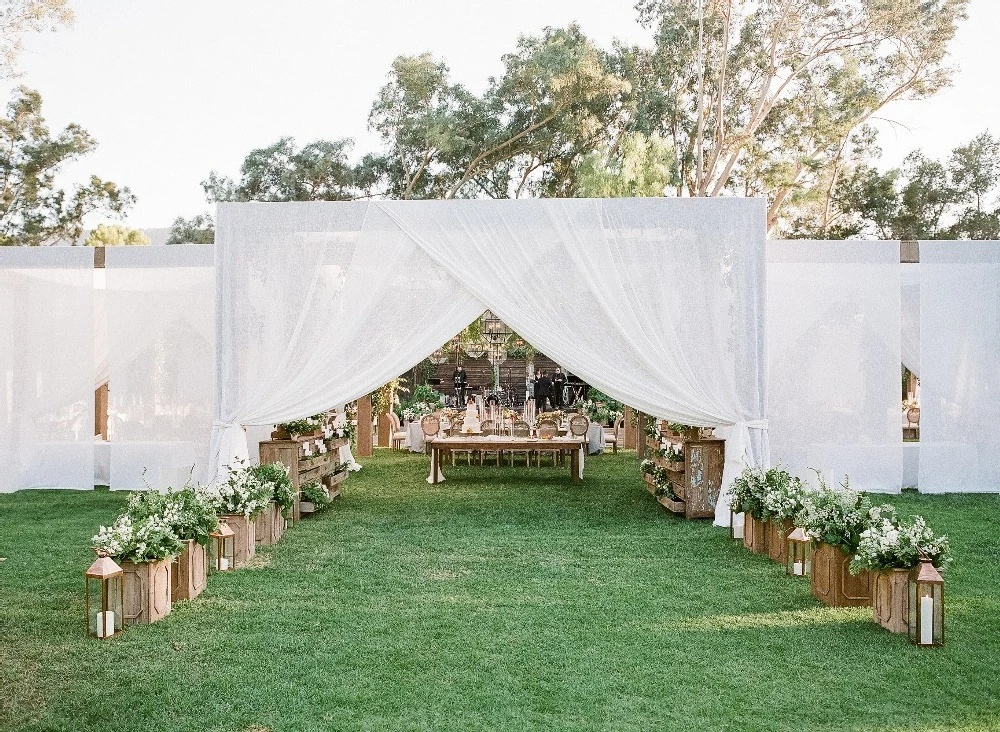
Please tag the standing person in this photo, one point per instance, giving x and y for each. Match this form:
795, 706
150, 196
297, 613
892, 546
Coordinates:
543, 392
461, 381
558, 382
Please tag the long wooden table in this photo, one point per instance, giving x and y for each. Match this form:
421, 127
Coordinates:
490, 443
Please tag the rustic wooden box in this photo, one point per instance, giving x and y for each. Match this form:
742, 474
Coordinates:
317, 468
833, 585
189, 572
755, 535
269, 526
890, 601
146, 586
671, 505
244, 543
777, 540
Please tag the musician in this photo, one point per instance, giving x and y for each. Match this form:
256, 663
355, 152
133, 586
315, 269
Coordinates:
461, 381
558, 382
543, 392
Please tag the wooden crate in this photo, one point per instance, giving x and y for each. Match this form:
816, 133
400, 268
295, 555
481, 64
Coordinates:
146, 586
244, 543
755, 535
890, 600
269, 526
188, 572
698, 480
671, 505
317, 468
831, 582
777, 540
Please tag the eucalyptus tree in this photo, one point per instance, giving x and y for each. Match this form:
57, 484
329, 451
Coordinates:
20, 17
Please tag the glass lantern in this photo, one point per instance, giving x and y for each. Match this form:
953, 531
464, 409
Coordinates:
223, 548
737, 521
105, 596
925, 614
799, 562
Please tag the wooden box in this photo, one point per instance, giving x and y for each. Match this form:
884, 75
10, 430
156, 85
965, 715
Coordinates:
890, 601
671, 505
777, 540
146, 586
325, 468
188, 572
269, 526
833, 585
755, 535
244, 543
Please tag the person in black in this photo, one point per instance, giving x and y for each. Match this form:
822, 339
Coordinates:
543, 392
558, 382
461, 381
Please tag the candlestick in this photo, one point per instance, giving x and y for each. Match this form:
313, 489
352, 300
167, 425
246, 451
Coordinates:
223, 564
739, 522
797, 569
926, 620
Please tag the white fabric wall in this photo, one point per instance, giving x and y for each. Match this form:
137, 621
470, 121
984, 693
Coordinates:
910, 316
161, 327
960, 366
658, 302
46, 368
833, 317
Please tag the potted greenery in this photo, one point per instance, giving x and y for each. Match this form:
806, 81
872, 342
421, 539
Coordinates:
749, 494
312, 497
238, 500
270, 523
834, 519
143, 549
781, 501
889, 548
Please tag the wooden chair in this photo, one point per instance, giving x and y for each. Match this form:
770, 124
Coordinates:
488, 429
579, 427
613, 435
548, 429
430, 424
521, 429
397, 435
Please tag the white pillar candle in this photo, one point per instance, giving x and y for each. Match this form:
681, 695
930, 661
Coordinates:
106, 624
926, 620
739, 521
797, 569
223, 564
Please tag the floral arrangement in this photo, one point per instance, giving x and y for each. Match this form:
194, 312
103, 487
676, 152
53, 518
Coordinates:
670, 452
600, 411
835, 516
890, 543
313, 493
661, 479
187, 512
302, 426
555, 416
241, 493
148, 539
416, 410
753, 488
275, 477
652, 428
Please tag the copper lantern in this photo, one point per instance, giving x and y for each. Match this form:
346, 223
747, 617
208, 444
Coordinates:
737, 521
799, 562
105, 596
925, 614
223, 548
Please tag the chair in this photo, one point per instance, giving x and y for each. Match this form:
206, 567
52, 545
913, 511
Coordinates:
612, 435
579, 427
488, 430
397, 435
430, 425
521, 429
547, 429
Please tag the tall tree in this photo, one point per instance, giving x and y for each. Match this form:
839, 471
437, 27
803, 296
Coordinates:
19, 17
33, 210
760, 96
198, 229
115, 235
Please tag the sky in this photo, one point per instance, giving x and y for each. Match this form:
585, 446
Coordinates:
173, 90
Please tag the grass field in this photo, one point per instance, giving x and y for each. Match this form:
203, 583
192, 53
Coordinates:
499, 600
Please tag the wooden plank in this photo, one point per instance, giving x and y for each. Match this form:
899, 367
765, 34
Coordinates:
365, 426
101, 411
632, 429
909, 252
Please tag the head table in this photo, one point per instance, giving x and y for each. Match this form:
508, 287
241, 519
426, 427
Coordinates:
442, 445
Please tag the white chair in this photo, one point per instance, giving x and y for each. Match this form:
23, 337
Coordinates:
396, 431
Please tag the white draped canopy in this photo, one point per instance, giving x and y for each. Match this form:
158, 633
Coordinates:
657, 302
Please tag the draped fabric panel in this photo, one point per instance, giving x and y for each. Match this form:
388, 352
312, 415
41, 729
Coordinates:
910, 316
46, 368
960, 356
833, 318
161, 329
658, 302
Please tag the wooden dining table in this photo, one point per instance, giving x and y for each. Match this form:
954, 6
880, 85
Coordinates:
494, 443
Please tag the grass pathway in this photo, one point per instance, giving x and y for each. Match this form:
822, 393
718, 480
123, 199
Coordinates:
499, 600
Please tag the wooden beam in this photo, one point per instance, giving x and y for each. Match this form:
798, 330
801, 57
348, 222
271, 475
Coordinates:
99, 257
640, 440
909, 252
631, 429
101, 411
365, 426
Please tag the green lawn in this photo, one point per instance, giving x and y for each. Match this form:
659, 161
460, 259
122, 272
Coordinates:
500, 600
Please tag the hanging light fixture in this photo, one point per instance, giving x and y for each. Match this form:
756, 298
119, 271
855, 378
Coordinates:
476, 348
439, 356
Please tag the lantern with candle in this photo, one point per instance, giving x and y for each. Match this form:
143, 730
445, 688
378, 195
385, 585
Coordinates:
223, 548
737, 520
799, 562
105, 596
926, 605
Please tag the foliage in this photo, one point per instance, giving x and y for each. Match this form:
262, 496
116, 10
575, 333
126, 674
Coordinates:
767, 494
149, 539
836, 516
599, 407
187, 511
634, 165
19, 17
313, 493
891, 543
198, 229
241, 493
275, 475
670, 453
115, 235
298, 427
423, 400
386, 397
33, 209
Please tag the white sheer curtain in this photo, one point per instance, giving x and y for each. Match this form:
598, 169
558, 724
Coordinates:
47, 368
960, 357
161, 329
657, 302
833, 318
910, 320
319, 304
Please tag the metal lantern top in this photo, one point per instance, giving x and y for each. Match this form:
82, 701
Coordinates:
438, 357
926, 573
104, 567
223, 532
494, 330
476, 348
799, 535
